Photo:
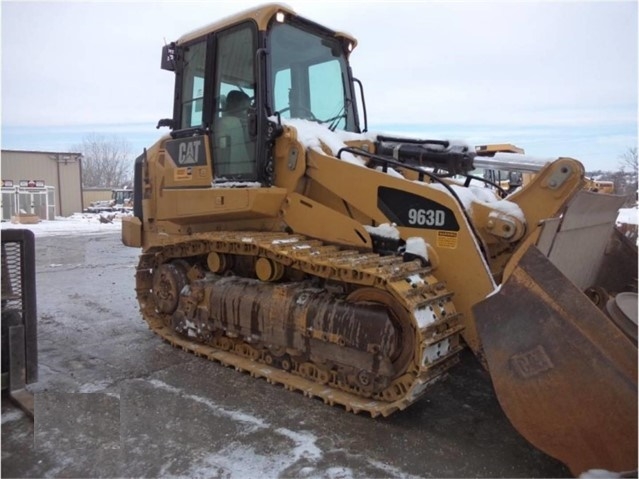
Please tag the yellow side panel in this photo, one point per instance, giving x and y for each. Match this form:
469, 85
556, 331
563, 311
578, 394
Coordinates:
187, 162
313, 219
216, 204
219, 201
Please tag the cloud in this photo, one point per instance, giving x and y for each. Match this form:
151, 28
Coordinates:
529, 65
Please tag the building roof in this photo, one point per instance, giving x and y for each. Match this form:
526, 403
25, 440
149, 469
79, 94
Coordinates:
41, 152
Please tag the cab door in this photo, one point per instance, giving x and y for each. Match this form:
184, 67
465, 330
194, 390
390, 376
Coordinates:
234, 145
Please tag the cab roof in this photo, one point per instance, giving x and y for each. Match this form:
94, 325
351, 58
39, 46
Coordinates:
262, 16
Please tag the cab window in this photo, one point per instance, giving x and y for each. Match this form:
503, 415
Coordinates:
193, 85
234, 146
310, 77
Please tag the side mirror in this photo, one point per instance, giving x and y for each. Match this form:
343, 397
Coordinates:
164, 122
168, 57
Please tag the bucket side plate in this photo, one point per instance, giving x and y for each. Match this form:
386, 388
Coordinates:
565, 376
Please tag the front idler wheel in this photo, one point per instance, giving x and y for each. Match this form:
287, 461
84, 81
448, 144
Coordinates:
168, 281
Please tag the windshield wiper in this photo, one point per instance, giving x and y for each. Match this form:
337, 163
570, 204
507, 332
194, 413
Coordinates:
342, 114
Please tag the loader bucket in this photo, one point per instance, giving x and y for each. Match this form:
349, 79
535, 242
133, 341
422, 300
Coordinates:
564, 374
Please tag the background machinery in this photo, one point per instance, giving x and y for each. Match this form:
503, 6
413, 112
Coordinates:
280, 237
121, 200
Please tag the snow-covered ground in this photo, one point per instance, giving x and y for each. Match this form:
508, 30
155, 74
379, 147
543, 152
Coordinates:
629, 216
76, 224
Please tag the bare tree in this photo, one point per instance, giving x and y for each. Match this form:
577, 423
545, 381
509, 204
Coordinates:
629, 160
106, 161
629, 169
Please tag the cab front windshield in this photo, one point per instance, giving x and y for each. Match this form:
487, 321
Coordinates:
309, 77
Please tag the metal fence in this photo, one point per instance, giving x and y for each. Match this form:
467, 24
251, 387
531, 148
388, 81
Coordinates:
24, 200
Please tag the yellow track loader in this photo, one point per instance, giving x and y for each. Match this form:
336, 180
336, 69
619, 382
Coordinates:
282, 238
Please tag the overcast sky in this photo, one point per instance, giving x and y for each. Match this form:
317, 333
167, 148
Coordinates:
555, 78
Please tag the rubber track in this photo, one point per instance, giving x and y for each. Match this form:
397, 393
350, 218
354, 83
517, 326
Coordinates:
438, 339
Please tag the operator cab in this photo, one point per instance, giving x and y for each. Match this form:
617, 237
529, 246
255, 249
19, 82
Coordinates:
237, 80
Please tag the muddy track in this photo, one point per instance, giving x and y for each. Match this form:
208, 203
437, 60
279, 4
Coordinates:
417, 299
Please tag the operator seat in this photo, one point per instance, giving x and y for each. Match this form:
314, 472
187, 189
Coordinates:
232, 155
237, 102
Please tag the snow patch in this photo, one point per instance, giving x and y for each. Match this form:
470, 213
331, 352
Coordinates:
417, 246
339, 473
285, 241
304, 443
234, 415
485, 196
221, 183
436, 351
313, 135
76, 224
385, 230
425, 317
237, 460
94, 387
389, 470
12, 416
598, 474
391, 172
628, 216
